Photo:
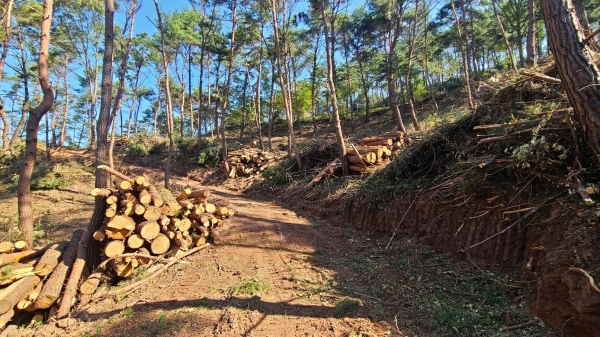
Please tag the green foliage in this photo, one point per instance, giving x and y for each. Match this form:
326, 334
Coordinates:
281, 173
249, 287
345, 306
210, 153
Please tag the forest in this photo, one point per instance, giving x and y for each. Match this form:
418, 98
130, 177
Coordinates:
357, 106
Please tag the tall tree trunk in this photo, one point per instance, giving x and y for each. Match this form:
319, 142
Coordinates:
284, 88
426, 63
258, 107
582, 16
271, 94
228, 85
5, 127
116, 108
411, 48
168, 94
531, 58
217, 100
336, 115
24, 199
503, 31
465, 62
25, 104
104, 121
579, 73
244, 110
313, 89
7, 33
391, 83
63, 130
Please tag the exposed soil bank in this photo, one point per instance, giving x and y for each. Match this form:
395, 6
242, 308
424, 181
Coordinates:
559, 236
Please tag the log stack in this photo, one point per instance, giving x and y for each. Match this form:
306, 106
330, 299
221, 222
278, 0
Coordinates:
33, 279
248, 162
142, 223
376, 150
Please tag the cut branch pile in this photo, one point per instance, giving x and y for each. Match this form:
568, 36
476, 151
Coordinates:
248, 162
376, 150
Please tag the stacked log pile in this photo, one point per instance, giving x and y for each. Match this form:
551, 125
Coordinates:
33, 278
248, 162
376, 150
141, 223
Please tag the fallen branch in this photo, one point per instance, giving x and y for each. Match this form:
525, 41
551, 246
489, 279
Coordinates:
73, 282
144, 256
321, 174
115, 173
134, 286
589, 277
540, 76
592, 34
519, 220
520, 326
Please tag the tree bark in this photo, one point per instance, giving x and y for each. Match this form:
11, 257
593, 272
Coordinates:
5, 127
465, 62
228, 85
579, 74
24, 185
531, 58
168, 93
102, 127
501, 26
25, 104
336, 115
411, 48
284, 88
7, 33
63, 130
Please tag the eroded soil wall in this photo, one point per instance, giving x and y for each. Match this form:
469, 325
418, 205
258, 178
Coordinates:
561, 235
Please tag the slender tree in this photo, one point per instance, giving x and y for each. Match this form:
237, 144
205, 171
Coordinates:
35, 115
168, 95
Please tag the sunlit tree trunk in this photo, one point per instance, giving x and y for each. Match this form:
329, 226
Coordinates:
531, 58
168, 96
579, 73
24, 199
63, 130
465, 62
25, 104
335, 112
7, 33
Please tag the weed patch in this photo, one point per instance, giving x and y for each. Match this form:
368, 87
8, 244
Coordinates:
249, 287
345, 306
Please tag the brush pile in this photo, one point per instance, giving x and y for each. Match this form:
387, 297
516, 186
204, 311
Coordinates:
248, 162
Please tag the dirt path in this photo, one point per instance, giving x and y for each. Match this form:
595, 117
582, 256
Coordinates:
279, 274
261, 282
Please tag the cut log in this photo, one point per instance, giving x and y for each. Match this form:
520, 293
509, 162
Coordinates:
355, 160
148, 229
209, 208
152, 213
21, 246
114, 248
53, 286
122, 269
323, 172
134, 241
76, 271
145, 197
166, 231
91, 283
113, 199
164, 220
10, 274
140, 181
115, 173
386, 142
198, 240
185, 193
6, 247
184, 224
203, 231
120, 227
100, 234
11, 295
50, 259
21, 256
6, 317
160, 244
222, 211
185, 204
155, 195
111, 210
138, 208
101, 192
199, 194
143, 251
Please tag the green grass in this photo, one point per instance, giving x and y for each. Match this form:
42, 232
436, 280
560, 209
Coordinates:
249, 287
345, 306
